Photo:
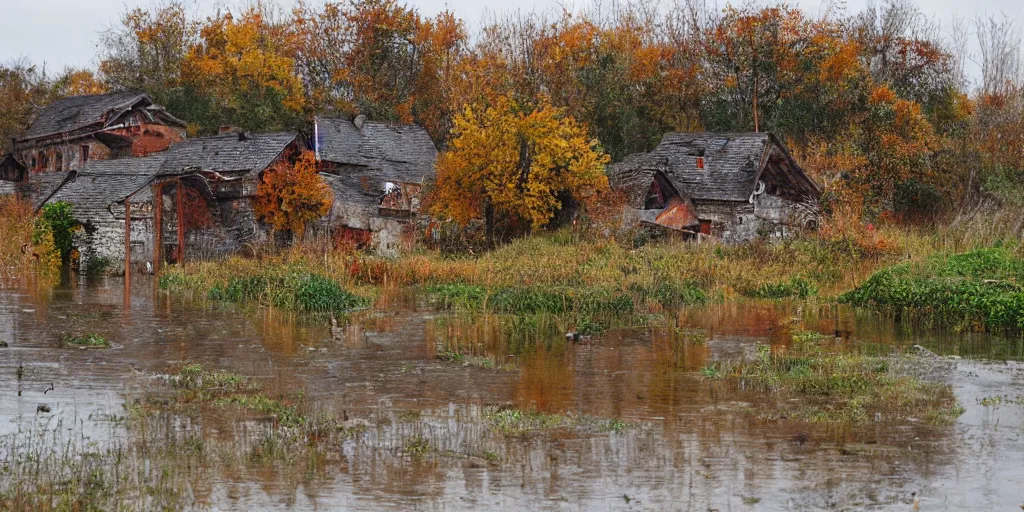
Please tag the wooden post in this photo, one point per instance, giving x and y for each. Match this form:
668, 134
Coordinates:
181, 226
127, 245
158, 227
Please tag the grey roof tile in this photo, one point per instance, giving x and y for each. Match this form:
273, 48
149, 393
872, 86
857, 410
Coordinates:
388, 152
226, 153
731, 163
68, 114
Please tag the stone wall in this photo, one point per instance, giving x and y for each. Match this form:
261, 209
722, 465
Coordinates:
106, 240
769, 216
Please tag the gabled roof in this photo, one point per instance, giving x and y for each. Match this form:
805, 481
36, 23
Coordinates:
73, 113
227, 153
101, 183
11, 169
389, 152
732, 164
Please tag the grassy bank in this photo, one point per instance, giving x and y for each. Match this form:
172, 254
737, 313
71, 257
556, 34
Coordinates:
978, 290
553, 273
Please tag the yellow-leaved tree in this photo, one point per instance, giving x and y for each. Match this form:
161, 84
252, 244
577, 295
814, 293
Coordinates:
290, 196
514, 163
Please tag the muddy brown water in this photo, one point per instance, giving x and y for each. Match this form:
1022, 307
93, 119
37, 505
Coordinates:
695, 446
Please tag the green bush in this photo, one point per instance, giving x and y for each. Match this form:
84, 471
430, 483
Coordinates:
979, 290
97, 266
57, 219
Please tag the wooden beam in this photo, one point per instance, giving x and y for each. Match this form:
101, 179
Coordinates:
158, 227
127, 245
181, 225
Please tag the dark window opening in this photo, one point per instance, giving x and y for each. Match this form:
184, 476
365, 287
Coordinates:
654, 200
58, 161
85, 154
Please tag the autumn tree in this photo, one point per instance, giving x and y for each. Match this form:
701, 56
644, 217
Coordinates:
145, 51
242, 72
380, 58
512, 163
289, 196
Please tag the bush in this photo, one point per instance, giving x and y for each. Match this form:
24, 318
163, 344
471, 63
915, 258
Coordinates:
977, 290
97, 266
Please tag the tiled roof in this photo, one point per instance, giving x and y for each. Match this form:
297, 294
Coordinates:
731, 163
68, 114
226, 153
40, 185
389, 152
101, 183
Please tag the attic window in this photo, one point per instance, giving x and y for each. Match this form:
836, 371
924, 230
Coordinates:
700, 163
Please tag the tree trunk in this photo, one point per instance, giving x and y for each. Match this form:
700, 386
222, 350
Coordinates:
489, 217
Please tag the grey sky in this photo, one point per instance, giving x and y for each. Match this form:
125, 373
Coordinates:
64, 33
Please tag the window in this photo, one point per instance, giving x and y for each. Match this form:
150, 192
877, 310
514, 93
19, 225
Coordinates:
58, 161
700, 163
41, 160
85, 153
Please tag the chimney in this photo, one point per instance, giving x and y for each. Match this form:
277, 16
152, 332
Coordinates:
359, 121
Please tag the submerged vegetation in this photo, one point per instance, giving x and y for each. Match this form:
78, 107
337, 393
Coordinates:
87, 340
834, 386
977, 290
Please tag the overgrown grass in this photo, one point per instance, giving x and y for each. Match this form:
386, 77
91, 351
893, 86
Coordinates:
517, 422
221, 389
282, 286
977, 290
831, 386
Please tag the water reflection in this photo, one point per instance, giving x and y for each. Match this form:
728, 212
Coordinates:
697, 448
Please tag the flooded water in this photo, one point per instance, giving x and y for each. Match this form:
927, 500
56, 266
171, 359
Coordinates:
694, 446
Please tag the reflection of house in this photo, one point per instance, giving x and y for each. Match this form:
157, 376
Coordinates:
376, 171
70, 132
734, 186
203, 185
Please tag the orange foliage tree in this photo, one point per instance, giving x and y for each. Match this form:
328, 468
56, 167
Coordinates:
245, 70
506, 162
290, 196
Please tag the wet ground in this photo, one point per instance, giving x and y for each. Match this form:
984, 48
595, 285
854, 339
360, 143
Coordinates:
695, 445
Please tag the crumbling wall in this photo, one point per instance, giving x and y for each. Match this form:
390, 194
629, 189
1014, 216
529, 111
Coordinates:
769, 216
105, 239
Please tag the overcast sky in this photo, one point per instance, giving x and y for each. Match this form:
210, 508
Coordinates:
63, 33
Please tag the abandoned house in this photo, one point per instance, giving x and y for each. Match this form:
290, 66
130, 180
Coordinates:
70, 132
376, 171
191, 201
732, 186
